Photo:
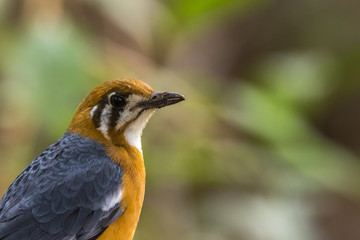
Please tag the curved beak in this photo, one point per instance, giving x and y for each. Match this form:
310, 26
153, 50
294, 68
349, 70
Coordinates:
159, 100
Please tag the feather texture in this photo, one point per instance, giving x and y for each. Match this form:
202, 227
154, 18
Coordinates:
63, 194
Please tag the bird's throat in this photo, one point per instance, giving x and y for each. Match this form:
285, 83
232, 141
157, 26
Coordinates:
134, 130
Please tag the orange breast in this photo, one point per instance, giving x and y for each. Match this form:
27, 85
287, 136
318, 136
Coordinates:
133, 186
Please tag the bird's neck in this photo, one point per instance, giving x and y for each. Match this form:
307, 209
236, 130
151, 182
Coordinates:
82, 125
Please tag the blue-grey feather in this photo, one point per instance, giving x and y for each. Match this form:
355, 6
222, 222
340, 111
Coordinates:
60, 194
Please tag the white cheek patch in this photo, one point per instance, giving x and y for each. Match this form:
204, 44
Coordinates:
92, 112
129, 113
104, 121
134, 130
111, 200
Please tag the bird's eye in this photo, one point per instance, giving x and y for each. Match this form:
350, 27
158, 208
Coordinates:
116, 100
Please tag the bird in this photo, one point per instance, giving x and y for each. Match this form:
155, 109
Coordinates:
90, 184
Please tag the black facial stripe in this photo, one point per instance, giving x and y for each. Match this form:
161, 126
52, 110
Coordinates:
97, 114
114, 117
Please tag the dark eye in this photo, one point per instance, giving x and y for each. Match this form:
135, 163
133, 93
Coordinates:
117, 100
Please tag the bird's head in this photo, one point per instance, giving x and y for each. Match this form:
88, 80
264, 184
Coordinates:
116, 111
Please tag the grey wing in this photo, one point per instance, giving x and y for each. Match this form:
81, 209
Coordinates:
70, 191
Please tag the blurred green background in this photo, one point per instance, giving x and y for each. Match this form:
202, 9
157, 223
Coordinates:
266, 145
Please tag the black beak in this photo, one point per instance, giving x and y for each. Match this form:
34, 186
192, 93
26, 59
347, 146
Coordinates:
159, 100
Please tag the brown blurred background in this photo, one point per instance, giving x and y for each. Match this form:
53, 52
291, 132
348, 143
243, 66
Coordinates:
266, 145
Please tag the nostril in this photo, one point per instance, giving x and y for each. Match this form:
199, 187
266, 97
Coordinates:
155, 96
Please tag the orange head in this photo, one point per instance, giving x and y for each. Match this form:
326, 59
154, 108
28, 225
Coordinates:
117, 111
